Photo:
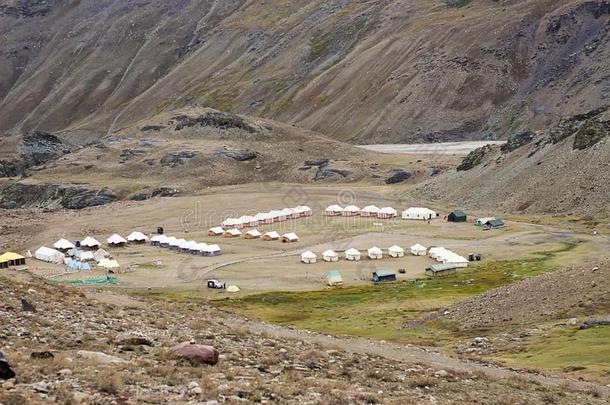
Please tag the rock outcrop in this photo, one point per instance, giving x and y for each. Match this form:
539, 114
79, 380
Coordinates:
53, 196
41, 147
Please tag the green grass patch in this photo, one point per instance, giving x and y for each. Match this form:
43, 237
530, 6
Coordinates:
379, 311
578, 352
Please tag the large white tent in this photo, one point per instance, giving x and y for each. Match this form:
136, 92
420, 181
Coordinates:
216, 231
90, 242
158, 240
386, 213
352, 254
309, 257
84, 255
63, 244
330, 256
375, 253
419, 213
263, 218
137, 236
396, 251
304, 210
212, 250
116, 240
49, 255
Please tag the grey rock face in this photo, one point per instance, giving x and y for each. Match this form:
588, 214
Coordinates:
40, 147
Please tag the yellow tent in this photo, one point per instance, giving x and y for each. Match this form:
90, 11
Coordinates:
11, 259
109, 264
233, 289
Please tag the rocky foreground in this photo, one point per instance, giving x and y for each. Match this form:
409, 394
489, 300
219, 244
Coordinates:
67, 348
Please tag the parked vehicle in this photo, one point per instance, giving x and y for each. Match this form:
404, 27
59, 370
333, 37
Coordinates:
216, 284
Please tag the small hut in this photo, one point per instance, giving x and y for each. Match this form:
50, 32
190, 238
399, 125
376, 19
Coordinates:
137, 237
387, 213
63, 245
440, 269
369, 211
90, 243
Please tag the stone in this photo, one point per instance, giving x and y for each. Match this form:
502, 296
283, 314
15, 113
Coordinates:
136, 341
64, 372
175, 159
241, 155
6, 373
398, 177
99, 357
196, 353
572, 322
517, 140
214, 119
42, 355
442, 374
41, 147
41, 387
26, 306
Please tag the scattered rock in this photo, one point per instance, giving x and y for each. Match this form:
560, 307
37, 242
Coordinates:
6, 373
53, 196
517, 140
331, 174
158, 192
240, 155
99, 357
136, 341
26, 306
595, 322
316, 162
65, 372
398, 177
195, 353
42, 355
215, 119
175, 159
41, 387
590, 133
154, 128
474, 158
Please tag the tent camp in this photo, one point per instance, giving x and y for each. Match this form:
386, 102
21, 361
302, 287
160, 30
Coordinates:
137, 237
232, 233
116, 240
10, 259
109, 264
271, 235
419, 213
330, 256
418, 250
63, 245
309, 257
253, 234
90, 243
333, 210
350, 211
375, 253
290, 237
396, 251
49, 255
387, 213
369, 211
216, 231
482, 221
352, 254
100, 255
333, 278
457, 216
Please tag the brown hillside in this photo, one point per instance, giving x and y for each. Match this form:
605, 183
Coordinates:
361, 71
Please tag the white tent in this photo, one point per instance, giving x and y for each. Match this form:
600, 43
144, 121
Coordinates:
248, 220
229, 222
253, 234
396, 251
170, 242
309, 257
109, 264
63, 244
201, 248
271, 235
136, 236
419, 213
418, 250
369, 211
84, 255
375, 253
483, 221
100, 254
387, 212
453, 258
263, 218
333, 210
352, 254
330, 256
90, 242
304, 210
116, 240
287, 212
350, 211
290, 237
216, 231
49, 255
212, 250
436, 252
158, 240
233, 233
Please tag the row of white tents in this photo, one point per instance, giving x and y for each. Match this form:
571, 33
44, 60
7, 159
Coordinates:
418, 213
185, 246
92, 243
267, 217
253, 234
76, 259
373, 253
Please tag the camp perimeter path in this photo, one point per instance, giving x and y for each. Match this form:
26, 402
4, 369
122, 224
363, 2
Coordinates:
410, 354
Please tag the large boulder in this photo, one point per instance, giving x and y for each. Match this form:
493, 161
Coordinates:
100, 357
398, 176
195, 353
175, 159
214, 119
517, 140
474, 158
53, 196
590, 133
240, 155
41, 147
6, 373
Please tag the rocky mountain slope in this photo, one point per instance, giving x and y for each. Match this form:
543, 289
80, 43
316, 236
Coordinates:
65, 346
364, 71
563, 169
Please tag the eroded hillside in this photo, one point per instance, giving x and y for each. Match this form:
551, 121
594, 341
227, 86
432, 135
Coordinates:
364, 71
